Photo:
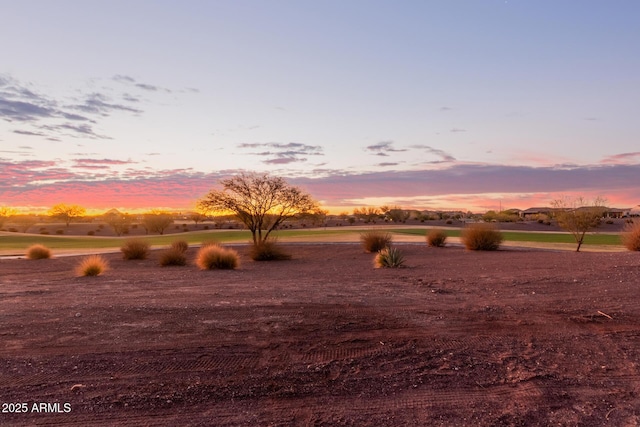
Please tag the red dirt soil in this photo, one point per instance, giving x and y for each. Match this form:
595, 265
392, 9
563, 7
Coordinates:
457, 338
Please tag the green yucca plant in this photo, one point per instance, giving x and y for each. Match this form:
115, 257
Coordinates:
92, 265
38, 252
213, 257
389, 258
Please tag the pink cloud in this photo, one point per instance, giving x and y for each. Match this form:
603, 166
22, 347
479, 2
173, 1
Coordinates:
38, 183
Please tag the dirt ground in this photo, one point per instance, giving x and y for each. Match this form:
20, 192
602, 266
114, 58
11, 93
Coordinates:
457, 338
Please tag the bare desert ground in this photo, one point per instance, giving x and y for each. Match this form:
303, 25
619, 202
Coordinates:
457, 338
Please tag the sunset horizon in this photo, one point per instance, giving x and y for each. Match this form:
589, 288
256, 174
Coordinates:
428, 106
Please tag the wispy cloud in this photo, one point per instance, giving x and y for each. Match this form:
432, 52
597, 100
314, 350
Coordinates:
457, 130
283, 153
41, 115
382, 148
443, 157
623, 158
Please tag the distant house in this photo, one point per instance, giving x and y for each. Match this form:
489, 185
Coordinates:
533, 212
635, 211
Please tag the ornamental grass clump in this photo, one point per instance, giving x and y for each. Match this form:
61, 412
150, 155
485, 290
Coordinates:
268, 250
212, 257
135, 249
375, 241
631, 236
173, 257
481, 237
389, 258
38, 252
180, 245
92, 265
436, 238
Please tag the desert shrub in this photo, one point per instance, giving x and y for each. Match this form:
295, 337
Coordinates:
100, 226
213, 257
209, 243
38, 252
59, 231
173, 256
14, 230
436, 238
206, 227
481, 237
631, 236
375, 241
92, 265
609, 221
448, 221
42, 232
268, 250
180, 245
389, 258
135, 249
91, 233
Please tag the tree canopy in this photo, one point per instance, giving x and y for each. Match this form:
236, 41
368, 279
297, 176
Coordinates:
260, 201
578, 216
67, 213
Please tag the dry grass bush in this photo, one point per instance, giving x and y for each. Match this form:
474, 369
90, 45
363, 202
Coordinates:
375, 241
209, 243
173, 257
436, 238
631, 236
135, 249
180, 245
38, 252
481, 237
389, 258
213, 257
92, 265
268, 250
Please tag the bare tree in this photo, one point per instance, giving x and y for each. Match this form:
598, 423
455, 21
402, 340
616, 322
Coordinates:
119, 222
260, 201
66, 213
197, 217
157, 221
579, 216
6, 213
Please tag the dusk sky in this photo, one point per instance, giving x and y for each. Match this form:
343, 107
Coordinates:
428, 104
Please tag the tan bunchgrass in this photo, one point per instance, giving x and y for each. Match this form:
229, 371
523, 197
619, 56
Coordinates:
173, 257
481, 237
92, 265
135, 249
212, 257
631, 236
38, 252
268, 250
375, 241
436, 238
180, 245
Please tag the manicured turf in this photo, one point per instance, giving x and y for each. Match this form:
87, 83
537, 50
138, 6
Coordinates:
516, 236
19, 242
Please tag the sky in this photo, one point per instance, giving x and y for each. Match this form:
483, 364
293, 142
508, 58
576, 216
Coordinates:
430, 104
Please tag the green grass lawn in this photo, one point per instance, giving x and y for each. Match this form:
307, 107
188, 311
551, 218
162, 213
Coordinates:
517, 236
19, 242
